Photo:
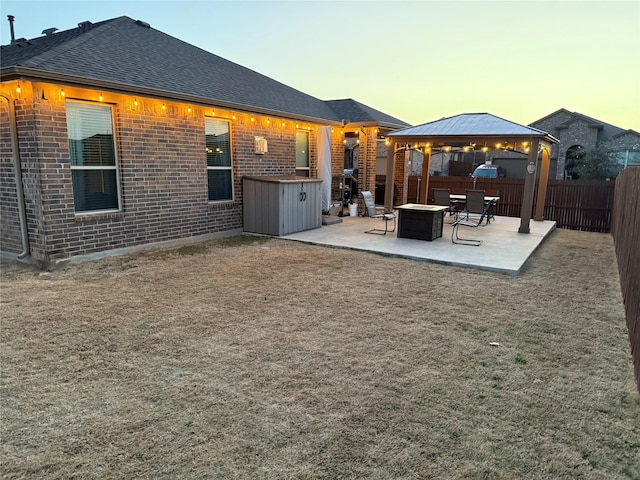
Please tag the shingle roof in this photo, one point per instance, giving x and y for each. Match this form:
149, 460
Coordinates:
468, 125
126, 54
352, 111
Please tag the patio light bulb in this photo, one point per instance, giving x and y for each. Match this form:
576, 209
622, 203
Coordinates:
101, 98
253, 119
18, 89
135, 102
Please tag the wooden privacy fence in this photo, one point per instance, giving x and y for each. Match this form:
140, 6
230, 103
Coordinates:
574, 204
625, 230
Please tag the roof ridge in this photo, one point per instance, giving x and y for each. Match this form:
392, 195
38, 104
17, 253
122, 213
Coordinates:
93, 31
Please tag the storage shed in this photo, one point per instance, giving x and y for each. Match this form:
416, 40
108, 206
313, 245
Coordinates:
279, 205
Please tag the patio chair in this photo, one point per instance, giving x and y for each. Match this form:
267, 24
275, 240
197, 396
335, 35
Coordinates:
477, 206
372, 211
442, 197
465, 223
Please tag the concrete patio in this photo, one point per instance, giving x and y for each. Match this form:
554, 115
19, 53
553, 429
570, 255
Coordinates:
503, 249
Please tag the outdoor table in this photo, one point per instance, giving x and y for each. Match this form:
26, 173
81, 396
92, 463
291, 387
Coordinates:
420, 222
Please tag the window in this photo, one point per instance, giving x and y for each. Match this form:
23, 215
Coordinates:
219, 170
623, 159
92, 153
302, 153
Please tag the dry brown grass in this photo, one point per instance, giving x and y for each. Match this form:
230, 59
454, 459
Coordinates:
265, 358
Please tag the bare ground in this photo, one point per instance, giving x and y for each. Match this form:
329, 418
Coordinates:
264, 358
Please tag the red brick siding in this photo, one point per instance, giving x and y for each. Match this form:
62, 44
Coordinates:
9, 220
162, 173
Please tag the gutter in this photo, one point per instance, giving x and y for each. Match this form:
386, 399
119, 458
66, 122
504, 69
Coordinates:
18, 175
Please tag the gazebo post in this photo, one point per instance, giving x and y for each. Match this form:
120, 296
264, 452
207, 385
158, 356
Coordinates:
542, 184
388, 183
529, 187
424, 182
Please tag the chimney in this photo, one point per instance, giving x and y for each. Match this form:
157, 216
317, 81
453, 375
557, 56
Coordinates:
13, 35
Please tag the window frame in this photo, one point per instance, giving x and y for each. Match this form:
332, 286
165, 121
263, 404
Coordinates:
116, 159
221, 168
306, 169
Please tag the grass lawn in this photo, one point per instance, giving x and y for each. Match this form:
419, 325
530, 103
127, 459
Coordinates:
257, 357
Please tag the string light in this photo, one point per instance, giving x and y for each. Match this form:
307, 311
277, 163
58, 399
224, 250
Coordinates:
189, 109
18, 89
100, 97
164, 107
135, 102
62, 92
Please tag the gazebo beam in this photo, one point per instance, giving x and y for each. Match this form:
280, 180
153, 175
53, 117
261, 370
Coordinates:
542, 184
529, 187
424, 182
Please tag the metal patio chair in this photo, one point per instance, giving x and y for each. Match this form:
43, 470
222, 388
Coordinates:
372, 211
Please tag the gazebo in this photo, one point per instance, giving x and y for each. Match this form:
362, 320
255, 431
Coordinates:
475, 131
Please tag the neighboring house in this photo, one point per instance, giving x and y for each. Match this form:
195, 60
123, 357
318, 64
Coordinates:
126, 136
578, 134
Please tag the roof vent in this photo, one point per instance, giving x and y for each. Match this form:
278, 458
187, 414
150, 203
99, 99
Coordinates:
11, 19
49, 31
143, 24
85, 24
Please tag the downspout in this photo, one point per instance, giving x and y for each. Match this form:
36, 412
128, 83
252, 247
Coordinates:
18, 174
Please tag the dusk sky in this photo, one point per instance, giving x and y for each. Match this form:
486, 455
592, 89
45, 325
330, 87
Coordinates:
418, 61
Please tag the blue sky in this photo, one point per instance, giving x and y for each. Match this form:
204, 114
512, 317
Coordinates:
418, 61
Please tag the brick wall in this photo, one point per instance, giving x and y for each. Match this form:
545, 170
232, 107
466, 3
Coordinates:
9, 220
162, 167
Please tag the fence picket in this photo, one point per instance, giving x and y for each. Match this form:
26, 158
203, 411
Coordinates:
573, 204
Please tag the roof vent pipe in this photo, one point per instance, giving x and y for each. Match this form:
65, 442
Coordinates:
49, 31
13, 35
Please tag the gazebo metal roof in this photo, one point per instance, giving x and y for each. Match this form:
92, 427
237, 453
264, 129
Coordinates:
470, 128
